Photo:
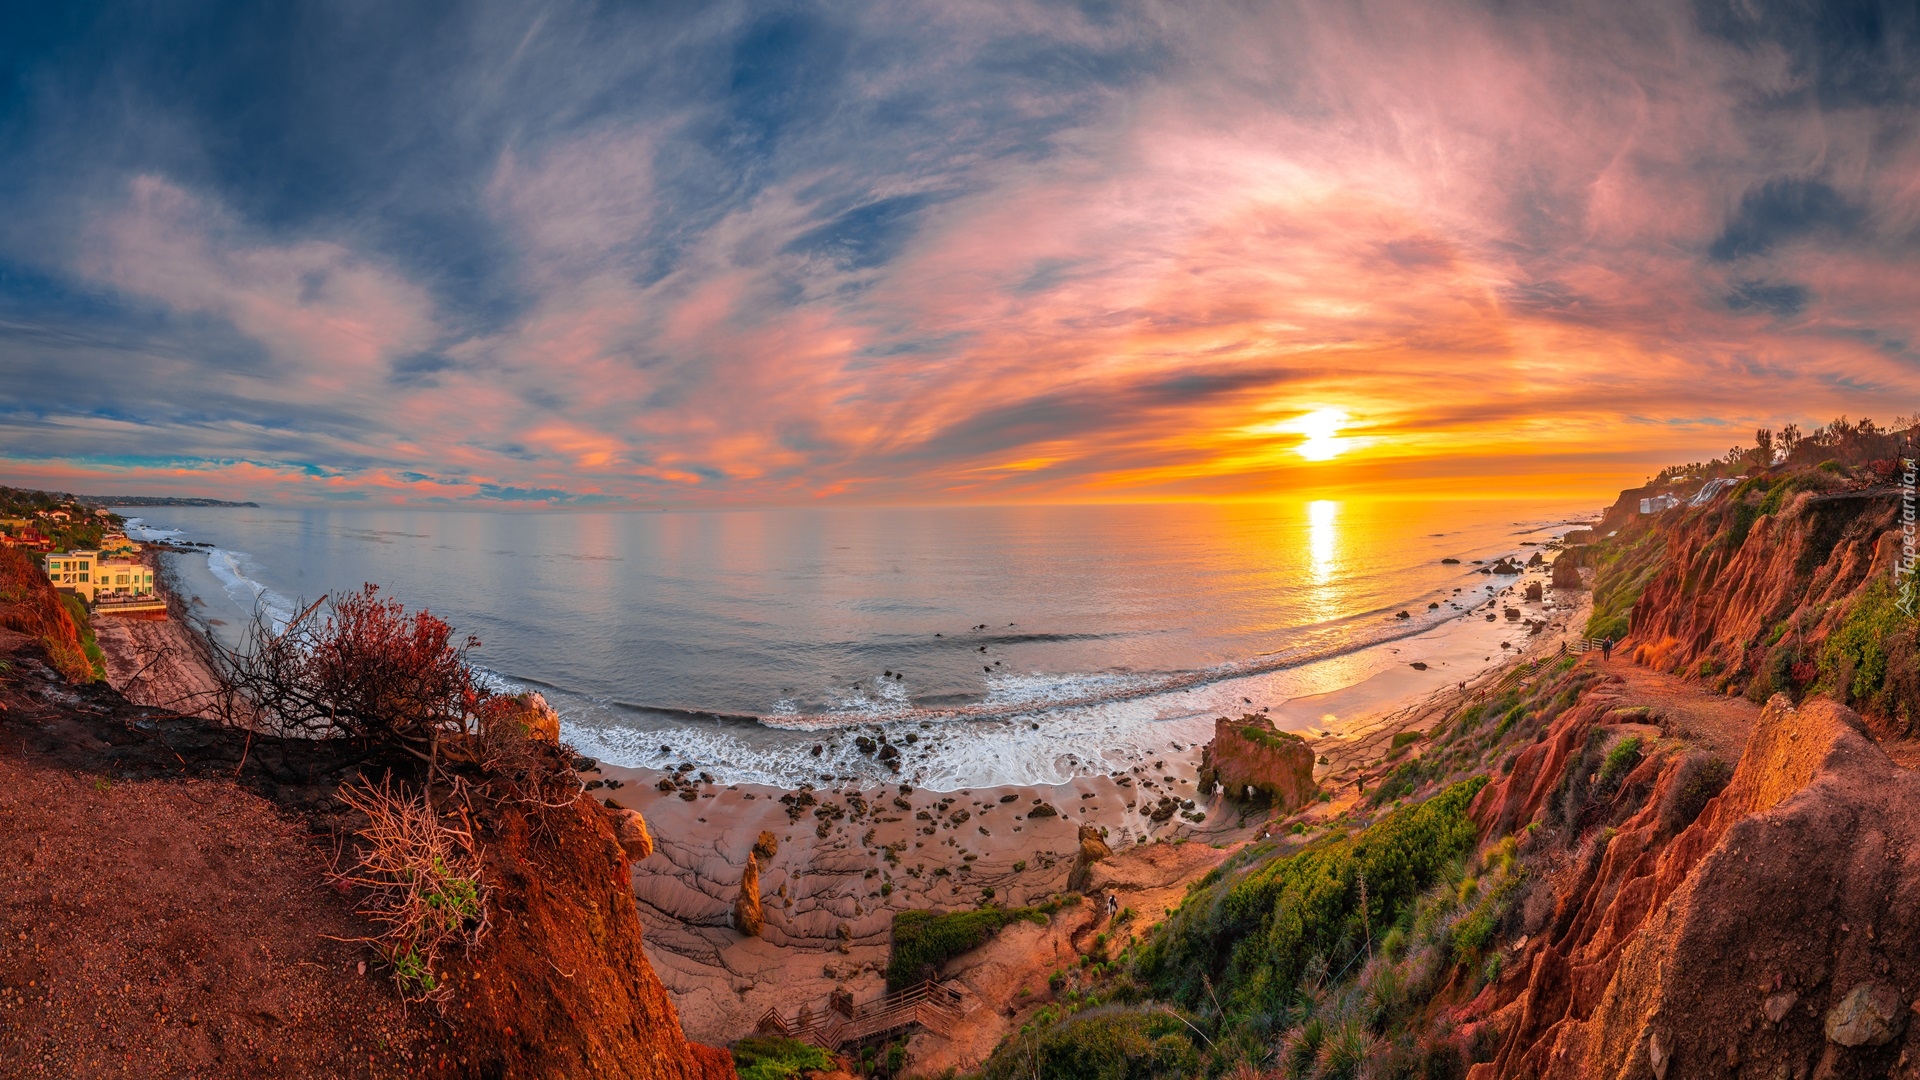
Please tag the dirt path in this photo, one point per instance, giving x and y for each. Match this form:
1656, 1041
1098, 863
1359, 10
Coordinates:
1687, 709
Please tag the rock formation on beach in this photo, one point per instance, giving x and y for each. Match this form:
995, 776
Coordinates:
1093, 848
1251, 759
747, 915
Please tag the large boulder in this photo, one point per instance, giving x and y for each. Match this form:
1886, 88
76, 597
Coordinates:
1566, 571
630, 829
1254, 761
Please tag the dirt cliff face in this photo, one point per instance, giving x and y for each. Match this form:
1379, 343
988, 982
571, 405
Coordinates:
559, 987
1768, 937
1753, 589
1249, 758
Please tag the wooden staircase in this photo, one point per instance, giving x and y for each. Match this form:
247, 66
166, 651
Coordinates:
932, 1005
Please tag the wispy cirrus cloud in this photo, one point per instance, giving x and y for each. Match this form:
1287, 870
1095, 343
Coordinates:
743, 254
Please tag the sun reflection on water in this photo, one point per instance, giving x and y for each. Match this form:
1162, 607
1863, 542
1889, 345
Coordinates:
1322, 538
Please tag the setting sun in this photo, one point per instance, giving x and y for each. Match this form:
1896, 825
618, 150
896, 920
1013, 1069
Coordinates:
1322, 428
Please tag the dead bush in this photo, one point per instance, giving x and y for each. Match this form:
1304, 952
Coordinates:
419, 878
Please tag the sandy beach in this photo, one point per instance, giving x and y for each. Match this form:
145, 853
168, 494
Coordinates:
852, 855
156, 662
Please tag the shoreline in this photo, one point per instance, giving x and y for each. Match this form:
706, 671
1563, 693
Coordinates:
853, 857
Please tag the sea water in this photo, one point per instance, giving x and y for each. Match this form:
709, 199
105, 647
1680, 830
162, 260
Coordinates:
992, 645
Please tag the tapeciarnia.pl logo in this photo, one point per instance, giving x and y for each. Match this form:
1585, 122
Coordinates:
1903, 570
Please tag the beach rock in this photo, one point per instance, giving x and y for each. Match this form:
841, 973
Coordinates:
1451, 561
747, 916
630, 829
1251, 754
1871, 1014
1536, 591
766, 845
1043, 810
1536, 559
1566, 573
1093, 849
1418, 665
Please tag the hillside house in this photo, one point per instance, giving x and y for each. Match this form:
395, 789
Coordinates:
95, 578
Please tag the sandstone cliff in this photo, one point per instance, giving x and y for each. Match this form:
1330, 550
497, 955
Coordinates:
1250, 759
1785, 583
1732, 947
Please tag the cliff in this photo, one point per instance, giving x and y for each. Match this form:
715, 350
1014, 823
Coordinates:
1732, 946
185, 866
1250, 759
1786, 584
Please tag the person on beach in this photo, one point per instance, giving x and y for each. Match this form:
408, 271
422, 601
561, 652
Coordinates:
1606, 648
1113, 906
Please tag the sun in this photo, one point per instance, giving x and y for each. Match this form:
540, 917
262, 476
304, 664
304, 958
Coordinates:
1322, 429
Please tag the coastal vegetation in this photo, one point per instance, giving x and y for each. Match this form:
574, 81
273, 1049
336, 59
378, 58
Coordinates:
924, 939
776, 1057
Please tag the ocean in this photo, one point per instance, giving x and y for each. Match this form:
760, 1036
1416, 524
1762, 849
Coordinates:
994, 645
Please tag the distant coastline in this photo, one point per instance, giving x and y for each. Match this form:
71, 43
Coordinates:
155, 500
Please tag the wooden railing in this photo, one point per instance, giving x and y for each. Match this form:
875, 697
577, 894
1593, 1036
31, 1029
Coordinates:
931, 1005
130, 605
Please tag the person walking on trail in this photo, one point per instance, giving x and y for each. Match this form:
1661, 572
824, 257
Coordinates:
1113, 905
1606, 648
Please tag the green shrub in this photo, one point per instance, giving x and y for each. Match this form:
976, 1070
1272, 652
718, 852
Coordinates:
1250, 934
1106, 1042
1701, 777
77, 610
1620, 761
1621, 574
1469, 936
923, 940
776, 1057
1855, 659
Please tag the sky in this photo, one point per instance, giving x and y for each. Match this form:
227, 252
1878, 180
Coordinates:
723, 254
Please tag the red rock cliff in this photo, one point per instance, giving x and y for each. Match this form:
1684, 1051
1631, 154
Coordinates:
1734, 947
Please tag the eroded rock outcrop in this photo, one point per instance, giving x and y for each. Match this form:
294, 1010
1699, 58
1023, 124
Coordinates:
630, 829
1093, 849
747, 914
1251, 759
1774, 935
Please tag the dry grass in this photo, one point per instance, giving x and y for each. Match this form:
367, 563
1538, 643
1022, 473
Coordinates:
420, 878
